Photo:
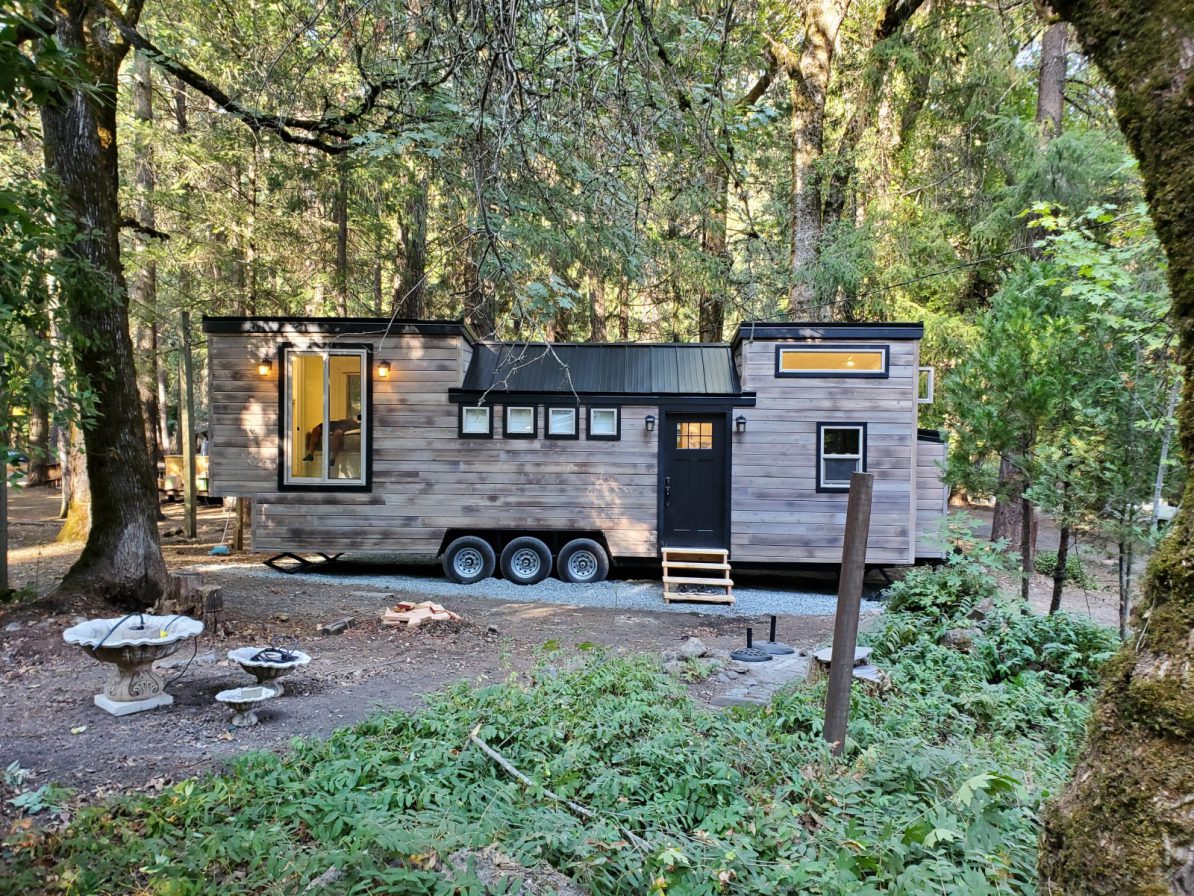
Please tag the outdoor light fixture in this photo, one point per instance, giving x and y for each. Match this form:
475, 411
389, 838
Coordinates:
650, 421
383, 369
264, 366
740, 423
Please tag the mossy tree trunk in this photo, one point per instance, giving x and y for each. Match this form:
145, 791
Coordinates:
1125, 823
122, 559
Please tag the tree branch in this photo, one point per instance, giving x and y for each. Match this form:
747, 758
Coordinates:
756, 92
143, 229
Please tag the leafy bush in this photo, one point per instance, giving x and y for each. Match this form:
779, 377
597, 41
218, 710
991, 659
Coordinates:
1069, 647
942, 591
938, 792
1075, 572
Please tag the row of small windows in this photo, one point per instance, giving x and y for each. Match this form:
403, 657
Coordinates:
522, 422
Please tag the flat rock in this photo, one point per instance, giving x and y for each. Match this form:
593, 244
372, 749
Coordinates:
691, 648
825, 655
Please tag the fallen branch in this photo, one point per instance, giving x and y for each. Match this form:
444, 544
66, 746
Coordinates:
576, 808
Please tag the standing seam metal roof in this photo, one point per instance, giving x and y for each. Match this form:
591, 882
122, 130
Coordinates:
603, 368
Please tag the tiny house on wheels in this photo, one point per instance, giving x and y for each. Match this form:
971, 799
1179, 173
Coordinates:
416, 437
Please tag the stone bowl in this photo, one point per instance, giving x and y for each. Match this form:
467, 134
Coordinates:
132, 645
244, 702
265, 671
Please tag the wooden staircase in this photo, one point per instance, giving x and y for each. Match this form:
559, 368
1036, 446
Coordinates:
706, 572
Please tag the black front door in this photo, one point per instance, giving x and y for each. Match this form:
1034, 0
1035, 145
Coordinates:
695, 459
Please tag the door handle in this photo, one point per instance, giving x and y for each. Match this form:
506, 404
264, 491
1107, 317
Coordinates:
667, 490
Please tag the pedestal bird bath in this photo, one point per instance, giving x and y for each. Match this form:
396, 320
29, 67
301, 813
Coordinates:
244, 702
267, 664
132, 645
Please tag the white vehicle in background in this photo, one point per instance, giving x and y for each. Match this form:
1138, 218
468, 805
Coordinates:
1166, 512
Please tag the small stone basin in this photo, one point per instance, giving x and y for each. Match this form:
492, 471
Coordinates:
244, 702
267, 664
132, 645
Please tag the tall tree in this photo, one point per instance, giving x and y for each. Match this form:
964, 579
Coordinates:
122, 558
1124, 824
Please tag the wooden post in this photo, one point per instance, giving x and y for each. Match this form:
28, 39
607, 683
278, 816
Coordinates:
3, 485
845, 623
186, 425
238, 538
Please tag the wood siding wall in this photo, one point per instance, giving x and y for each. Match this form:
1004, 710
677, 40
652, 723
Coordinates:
778, 516
932, 498
425, 478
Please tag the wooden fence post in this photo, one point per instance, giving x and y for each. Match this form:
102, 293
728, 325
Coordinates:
845, 623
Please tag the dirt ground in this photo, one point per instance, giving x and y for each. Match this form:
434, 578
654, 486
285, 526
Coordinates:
49, 725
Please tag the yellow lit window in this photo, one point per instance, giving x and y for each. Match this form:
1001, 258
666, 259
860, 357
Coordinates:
832, 361
694, 436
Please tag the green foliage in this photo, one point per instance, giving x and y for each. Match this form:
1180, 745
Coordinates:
1069, 647
1075, 572
938, 791
952, 588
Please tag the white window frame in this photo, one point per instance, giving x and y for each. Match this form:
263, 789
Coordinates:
606, 436
521, 434
548, 423
824, 484
289, 446
927, 398
487, 432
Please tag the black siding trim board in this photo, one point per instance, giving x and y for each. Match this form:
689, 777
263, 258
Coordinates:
567, 399
756, 332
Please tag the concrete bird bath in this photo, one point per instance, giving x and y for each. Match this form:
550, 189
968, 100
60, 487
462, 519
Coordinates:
244, 702
132, 645
267, 664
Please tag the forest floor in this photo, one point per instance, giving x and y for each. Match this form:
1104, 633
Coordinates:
49, 725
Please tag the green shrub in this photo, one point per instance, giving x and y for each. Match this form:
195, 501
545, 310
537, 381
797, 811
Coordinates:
942, 591
1075, 572
1070, 647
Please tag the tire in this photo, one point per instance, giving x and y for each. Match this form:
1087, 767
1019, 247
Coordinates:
469, 559
582, 561
526, 560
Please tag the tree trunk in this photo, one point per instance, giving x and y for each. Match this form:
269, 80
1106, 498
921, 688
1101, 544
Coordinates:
1026, 559
39, 444
122, 559
1163, 462
340, 213
711, 311
1063, 555
1050, 94
808, 87
596, 309
624, 311
1124, 825
1006, 521
76, 489
412, 272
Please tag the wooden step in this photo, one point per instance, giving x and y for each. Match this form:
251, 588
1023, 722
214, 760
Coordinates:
693, 580
692, 564
720, 552
677, 597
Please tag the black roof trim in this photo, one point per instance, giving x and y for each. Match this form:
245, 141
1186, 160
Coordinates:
763, 330
930, 435
561, 399
363, 326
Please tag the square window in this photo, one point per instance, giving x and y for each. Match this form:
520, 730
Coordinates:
561, 423
475, 422
694, 435
604, 423
520, 422
841, 452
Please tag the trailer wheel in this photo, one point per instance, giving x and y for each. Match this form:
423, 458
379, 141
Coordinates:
583, 562
469, 559
526, 560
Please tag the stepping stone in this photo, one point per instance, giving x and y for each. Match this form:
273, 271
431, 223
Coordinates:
825, 655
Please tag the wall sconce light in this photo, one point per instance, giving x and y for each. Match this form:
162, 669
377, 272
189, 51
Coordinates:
383, 369
740, 423
264, 366
650, 421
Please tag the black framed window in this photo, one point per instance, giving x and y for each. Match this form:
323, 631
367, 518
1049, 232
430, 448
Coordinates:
475, 422
841, 452
829, 360
325, 428
605, 424
520, 422
561, 422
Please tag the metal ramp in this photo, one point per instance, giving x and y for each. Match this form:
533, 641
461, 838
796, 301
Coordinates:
697, 574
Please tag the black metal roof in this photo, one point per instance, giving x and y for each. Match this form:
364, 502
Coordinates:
363, 326
602, 368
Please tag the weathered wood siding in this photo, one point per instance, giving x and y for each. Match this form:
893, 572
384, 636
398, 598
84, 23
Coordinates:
932, 497
425, 478
777, 515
